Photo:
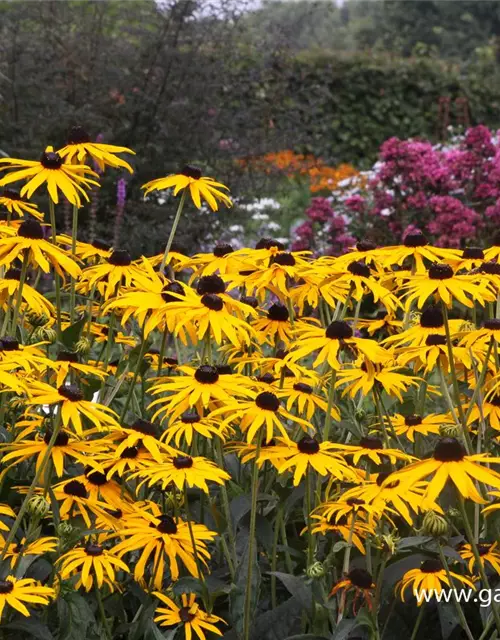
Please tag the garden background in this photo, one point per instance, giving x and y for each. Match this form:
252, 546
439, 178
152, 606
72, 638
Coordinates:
222, 83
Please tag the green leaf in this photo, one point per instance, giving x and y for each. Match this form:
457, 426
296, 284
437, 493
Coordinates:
309, 636
75, 617
297, 587
71, 335
344, 628
145, 618
32, 626
448, 619
237, 595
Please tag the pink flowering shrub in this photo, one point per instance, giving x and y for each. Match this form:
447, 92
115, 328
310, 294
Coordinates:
450, 192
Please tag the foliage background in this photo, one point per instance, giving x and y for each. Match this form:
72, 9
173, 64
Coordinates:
209, 81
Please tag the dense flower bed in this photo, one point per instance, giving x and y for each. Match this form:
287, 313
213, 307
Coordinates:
450, 192
259, 442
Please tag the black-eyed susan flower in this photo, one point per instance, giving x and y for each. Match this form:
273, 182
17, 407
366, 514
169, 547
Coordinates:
415, 246
129, 459
337, 510
362, 376
308, 454
74, 408
117, 270
450, 462
65, 446
6, 510
99, 485
489, 331
223, 259
183, 471
274, 325
34, 301
141, 433
30, 244
412, 424
12, 201
429, 579
200, 187
348, 528
488, 410
18, 593
301, 393
488, 553
197, 388
468, 259
67, 363
383, 321
160, 538
189, 615
75, 500
429, 322
264, 411
443, 284
190, 425
361, 582
337, 337
372, 448
79, 147
435, 351
92, 251
51, 170
39, 547
95, 564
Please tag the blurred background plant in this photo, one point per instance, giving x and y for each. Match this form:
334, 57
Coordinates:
278, 99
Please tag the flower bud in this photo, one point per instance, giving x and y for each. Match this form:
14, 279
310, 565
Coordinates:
434, 525
82, 347
44, 334
38, 507
414, 318
36, 319
450, 431
388, 542
315, 570
65, 530
360, 415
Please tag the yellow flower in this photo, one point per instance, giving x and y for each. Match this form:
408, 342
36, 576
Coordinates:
50, 170
429, 580
79, 146
199, 187
189, 615
15, 593
94, 563
11, 200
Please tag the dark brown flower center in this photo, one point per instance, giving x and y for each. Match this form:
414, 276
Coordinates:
76, 489
62, 438
145, 427
491, 268
415, 240
78, 135
71, 392
308, 445
432, 318
13, 274
251, 301
269, 243
120, 258
413, 420
130, 453
267, 378
360, 578
11, 194
284, 259
431, 565
51, 160
67, 356
365, 245
353, 502
184, 615
212, 301
440, 272
303, 387
278, 312
493, 324
101, 244
473, 253
31, 229
182, 462
359, 269
222, 250
338, 330
190, 417
210, 284
191, 171
206, 374
94, 550
172, 287
267, 401
166, 525
435, 340
6, 586
96, 478
371, 442
449, 450
8, 343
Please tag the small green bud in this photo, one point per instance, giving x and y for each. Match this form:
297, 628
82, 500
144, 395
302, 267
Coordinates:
360, 415
450, 431
38, 507
44, 334
434, 525
83, 345
65, 530
36, 319
315, 570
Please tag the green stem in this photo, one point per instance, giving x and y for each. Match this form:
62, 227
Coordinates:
310, 537
102, 613
74, 230
134, 379
57, 280
22, 280
247, 619
458, 608
470, 537
418, 622
174, 229
225, 505
31, 490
